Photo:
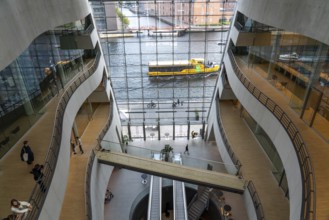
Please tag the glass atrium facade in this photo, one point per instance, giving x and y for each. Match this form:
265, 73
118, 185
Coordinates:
151, 31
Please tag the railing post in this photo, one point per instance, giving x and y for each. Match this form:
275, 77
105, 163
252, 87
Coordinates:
292, 137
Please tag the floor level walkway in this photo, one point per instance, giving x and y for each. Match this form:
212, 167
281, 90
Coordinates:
317, 147
15, 178
15, 171
255, 164
74, 201
18, 182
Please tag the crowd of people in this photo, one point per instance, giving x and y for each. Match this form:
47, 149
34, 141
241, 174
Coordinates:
20, 209
27, 156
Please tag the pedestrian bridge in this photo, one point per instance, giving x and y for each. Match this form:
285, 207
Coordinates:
173, 171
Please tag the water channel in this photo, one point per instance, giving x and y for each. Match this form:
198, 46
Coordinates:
127, 59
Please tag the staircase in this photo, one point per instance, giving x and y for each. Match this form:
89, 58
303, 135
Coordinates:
198, 206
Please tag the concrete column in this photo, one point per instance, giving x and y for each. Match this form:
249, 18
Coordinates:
173, 133
274, 55
23, 93
317, 65
90, 109
55, 54
75, 130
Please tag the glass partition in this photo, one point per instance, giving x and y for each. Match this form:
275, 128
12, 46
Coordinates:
31, 81
295, 65
269, 148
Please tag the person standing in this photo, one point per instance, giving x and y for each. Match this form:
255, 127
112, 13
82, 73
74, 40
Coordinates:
73, 147
38, 176
20, 208
80, 145
186, 150
27, 154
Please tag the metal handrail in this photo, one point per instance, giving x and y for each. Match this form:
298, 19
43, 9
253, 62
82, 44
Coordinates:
227, 145
257, 204
256, 201
308, 210
76, 31
38, 197
87, 185
90, 166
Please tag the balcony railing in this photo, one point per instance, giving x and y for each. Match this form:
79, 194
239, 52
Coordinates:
256, 201
77, 31
88, 207
226, 143
90, 166
309, 193
38, 197
252, 190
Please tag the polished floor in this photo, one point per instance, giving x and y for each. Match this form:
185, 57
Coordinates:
17, 182
73, 206
317, 146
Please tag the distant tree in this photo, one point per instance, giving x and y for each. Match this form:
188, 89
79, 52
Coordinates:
124, 20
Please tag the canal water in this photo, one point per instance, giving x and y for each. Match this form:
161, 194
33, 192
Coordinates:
128, 59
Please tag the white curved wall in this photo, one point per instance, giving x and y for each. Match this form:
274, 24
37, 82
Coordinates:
247, 198
100, 176
30, 18
55, 197
306, 17
278, 136
212, 123
101, 173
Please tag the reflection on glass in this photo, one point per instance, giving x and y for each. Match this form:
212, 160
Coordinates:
162, 31
295, 65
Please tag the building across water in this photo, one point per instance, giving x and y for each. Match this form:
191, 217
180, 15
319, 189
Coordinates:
250, 142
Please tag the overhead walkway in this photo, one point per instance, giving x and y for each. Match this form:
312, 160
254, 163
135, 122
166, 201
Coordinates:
173, 171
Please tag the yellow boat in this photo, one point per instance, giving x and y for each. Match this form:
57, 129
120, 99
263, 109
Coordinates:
181, 67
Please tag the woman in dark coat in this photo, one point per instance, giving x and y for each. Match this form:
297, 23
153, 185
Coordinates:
26, 149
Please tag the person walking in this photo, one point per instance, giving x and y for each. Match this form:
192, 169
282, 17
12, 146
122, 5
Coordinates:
174, 104
80, 145
27, 154
186, 150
